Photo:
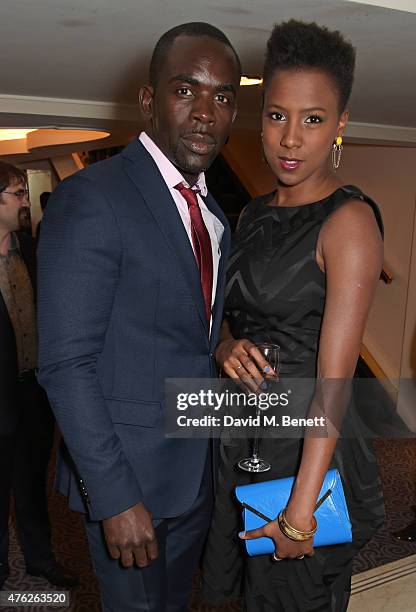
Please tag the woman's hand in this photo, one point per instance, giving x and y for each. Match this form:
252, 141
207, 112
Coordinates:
241, 359
284, 547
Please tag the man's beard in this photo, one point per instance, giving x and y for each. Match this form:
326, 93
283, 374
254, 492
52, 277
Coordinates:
25, 222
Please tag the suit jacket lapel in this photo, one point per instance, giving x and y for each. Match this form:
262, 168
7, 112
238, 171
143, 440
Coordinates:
144, 173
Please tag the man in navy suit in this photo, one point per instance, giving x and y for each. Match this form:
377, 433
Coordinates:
132, 273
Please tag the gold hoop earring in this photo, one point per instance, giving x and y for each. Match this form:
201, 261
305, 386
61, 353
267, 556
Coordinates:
336, 152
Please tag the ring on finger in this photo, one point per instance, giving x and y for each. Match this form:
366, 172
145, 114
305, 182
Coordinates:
301, 557
276, 558
238, 367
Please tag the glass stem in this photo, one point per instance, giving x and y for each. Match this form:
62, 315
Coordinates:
255, 456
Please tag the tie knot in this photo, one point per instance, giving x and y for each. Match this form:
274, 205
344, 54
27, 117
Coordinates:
188, 193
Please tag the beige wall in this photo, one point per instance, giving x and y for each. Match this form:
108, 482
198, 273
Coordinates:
408, 369
388, 175
38, 181
407, 389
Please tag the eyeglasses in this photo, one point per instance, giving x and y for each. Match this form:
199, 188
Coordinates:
21, 193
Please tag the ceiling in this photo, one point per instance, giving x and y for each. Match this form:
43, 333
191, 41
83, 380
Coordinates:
79, 63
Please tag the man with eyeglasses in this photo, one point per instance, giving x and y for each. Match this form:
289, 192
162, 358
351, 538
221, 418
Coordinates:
26, 421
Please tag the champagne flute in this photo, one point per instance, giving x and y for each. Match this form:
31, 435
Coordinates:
255, 463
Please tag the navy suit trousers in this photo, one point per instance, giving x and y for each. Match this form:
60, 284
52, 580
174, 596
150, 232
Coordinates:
165, 585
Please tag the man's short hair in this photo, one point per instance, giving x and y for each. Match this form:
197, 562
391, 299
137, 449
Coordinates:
165, 42
10, 174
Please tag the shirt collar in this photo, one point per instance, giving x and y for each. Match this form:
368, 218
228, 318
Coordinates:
169, 172
14, 242
14, 246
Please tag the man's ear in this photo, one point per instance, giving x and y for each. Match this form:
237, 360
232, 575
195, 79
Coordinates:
146, 101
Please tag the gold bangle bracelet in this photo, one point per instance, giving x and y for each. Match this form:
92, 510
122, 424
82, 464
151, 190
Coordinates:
291, 532
292, 535
311, 531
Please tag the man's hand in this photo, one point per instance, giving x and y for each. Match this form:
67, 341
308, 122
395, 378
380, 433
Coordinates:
130, 536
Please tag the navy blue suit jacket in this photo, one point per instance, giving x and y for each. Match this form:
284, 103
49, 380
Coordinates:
120, 310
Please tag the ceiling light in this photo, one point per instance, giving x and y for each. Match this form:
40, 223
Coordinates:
51, 137
250, 80
14, 134
16, 142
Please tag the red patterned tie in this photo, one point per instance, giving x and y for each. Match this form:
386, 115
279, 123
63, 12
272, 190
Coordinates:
202, 244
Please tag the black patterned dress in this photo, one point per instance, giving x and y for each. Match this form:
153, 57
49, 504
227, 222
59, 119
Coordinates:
276, 293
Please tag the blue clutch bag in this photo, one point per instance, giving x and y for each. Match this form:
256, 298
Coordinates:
263, 501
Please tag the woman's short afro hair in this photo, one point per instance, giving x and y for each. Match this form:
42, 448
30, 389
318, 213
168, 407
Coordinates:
296, 44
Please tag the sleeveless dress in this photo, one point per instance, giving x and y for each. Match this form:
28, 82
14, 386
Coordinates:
276, 293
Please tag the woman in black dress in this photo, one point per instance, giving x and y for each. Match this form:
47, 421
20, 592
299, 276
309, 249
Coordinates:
305, 264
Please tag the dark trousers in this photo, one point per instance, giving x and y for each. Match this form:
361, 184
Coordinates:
165, 585
24, 455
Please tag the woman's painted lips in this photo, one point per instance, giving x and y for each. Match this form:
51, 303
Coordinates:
288, 163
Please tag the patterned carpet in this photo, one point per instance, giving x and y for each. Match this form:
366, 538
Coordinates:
398, 468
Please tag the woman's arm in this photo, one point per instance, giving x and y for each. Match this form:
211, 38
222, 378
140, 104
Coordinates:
225, 333
351, 251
